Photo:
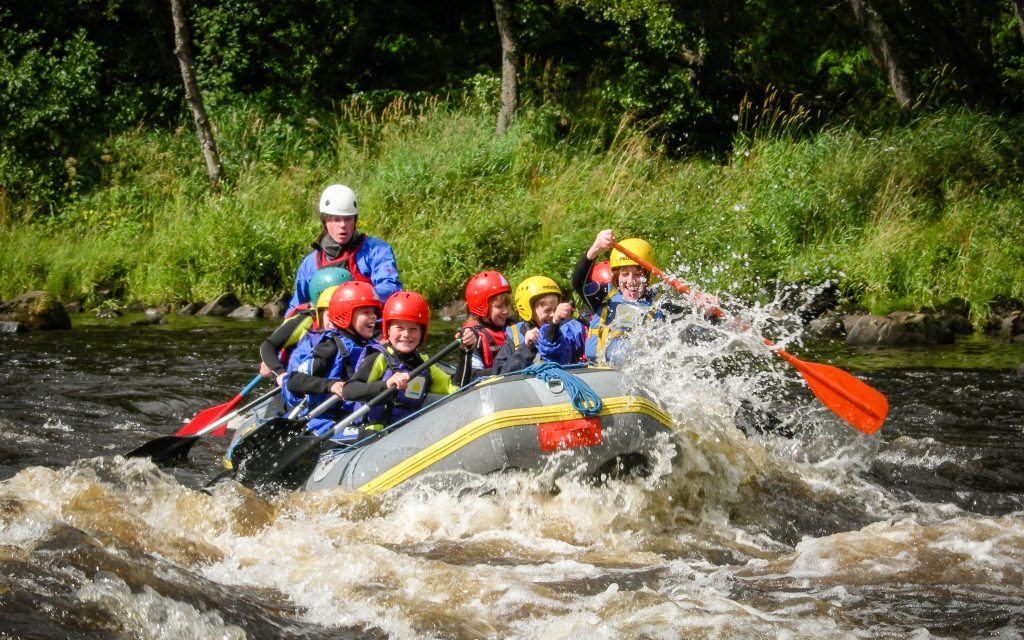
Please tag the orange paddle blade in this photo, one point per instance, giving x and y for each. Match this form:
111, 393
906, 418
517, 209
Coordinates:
853, 400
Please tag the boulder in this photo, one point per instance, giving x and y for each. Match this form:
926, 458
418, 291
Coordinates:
454, 310
247, 312
190, 308
1011, 326
222, 306
901, 328
275, 307
828, 326
37, 311
12, 327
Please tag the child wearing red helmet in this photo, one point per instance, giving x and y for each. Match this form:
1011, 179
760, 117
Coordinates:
489, 302
324, 360
387, 364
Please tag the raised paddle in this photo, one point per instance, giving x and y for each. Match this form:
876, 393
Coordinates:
166, 448
206, 416
291, 457
851, 399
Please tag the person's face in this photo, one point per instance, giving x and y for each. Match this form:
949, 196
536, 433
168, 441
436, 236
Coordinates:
544, 309
364, 320
632, 282
404, 335
340, 228
497, 313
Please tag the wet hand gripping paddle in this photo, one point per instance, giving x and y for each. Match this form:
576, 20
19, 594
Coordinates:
286, 454
853, 400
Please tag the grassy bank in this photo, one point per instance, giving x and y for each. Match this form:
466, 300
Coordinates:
901, 218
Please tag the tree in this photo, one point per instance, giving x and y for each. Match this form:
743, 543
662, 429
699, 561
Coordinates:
885, 51
194, 96
509, 64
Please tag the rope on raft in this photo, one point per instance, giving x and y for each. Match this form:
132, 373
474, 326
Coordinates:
583, 397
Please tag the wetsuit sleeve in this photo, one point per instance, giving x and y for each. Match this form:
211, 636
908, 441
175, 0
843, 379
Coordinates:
510, 359
321, 362
271, 347
377, 260
302, 275
360, 387
591, 294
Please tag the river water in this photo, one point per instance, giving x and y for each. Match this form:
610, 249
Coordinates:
917, 531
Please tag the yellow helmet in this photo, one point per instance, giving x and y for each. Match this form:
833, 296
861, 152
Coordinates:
324, 300
531, 288
640, 247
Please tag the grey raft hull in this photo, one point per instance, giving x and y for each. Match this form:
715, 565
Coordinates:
512, 422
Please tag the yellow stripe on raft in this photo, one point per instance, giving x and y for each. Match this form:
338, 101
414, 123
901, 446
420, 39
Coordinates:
504, 420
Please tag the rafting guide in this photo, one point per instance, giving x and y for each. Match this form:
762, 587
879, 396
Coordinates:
368, 259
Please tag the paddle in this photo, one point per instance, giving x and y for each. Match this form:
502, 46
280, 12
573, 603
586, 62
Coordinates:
167, 448
290, 457
206, 416
851, 399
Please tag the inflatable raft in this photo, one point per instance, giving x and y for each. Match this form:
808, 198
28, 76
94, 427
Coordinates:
513, 422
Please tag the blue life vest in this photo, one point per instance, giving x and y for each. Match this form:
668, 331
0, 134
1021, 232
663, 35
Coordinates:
403, 403
348, 354
607, 339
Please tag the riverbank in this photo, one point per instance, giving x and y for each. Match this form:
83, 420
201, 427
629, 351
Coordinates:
898, 219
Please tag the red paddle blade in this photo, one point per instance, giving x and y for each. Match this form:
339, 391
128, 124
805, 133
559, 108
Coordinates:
208, 416
853, 400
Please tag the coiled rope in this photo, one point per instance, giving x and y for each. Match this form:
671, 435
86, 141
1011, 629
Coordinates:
584, 399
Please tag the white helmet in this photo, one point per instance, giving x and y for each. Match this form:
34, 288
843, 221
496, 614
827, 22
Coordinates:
338, 200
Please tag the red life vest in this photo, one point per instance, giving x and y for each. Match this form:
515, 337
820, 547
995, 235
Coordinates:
347, 259
491, 340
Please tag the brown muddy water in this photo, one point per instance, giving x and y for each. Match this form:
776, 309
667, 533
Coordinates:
916, 532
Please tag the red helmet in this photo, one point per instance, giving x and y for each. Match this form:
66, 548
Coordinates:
407, 305
481, 288
601, 273
347, 298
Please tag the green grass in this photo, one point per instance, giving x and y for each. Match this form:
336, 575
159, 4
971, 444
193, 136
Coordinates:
900, 218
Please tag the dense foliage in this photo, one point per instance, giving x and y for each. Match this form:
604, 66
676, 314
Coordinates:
754, 136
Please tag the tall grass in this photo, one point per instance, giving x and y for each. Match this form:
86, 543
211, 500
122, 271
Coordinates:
907, 217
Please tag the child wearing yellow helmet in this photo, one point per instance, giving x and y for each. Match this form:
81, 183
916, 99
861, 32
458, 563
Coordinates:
546, 332
628, 288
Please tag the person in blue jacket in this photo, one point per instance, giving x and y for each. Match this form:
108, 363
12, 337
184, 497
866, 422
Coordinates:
368, 259
546, 332
324, 361
622, 303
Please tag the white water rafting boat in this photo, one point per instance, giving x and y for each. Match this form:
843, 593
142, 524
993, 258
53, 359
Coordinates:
583, 421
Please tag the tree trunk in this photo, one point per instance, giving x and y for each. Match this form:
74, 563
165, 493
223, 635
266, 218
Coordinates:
1018, 10
884, 51
509, 64
193, 95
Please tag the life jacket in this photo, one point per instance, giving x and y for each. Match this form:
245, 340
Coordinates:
348, 354
346, 259
605, 336
401, 404
491, 340
517, 332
